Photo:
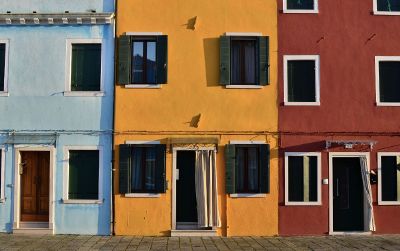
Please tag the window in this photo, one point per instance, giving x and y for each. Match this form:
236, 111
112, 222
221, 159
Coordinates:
387, 80
142, 60
142, 168
244, 60
301, 80
247, 168
389, 178
302, 179
3, 67
300, 6
386, 7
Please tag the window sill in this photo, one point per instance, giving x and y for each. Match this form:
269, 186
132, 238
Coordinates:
387, 104
243, 86
318, 203
2, 201
4, 94
143, 86
142, 195
300, 11
387, 13
302, 103
248, 195
389, 203
83, 94
82, 201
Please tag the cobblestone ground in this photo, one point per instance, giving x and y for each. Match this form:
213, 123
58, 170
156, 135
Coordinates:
76, 242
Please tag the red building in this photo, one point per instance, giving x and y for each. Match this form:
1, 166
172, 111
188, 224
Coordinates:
339, 116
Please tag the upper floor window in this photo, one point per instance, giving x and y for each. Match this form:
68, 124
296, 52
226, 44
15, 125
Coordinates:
386, 7
389, 178
244, 60
3, 67
300, 6
301, 80
387, 73
142, 60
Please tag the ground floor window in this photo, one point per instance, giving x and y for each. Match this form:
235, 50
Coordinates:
389, 178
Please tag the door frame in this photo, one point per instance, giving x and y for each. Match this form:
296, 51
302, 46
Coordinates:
17, 181
345, 155
174, 176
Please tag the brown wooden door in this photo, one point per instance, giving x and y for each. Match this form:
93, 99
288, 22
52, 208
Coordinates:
35, 186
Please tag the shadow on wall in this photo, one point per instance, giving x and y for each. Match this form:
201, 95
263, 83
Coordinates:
315, 146
211, 55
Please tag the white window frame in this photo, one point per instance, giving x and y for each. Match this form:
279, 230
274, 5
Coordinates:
315, 58
2, 171
66, 150
68, 65
385, 13
305, 203
380, 201
6, 61
378, 59
288, 11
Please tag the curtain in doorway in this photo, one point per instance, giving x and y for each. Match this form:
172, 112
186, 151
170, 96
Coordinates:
206, 189
367, 193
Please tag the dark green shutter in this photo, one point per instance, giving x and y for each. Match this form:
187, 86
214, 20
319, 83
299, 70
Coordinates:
161, 185
162, 59
263, 47
124, 60
230, 164
124, 168
225, 60
264, 168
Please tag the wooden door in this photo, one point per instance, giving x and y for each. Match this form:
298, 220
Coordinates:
34, 170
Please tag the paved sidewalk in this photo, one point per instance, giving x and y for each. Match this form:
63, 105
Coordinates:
77, 242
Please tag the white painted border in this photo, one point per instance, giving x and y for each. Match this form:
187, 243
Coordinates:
319, 181
17, 181
68, 62
289, 11
248, 195
6, 62
343, 155
385, 13
377, 91
2, 171
143, 86
243, 34
174, 176
66, 150
145, 33
233, 86
247, 142
142, 142
287, 58
380, 201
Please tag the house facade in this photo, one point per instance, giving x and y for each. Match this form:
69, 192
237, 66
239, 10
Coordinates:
196, 118
338, 117
56, 98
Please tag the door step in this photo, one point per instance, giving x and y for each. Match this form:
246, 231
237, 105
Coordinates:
179, 233
33, 224
26, 227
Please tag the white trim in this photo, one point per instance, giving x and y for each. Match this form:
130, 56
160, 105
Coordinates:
243, 34
289, 11
142, 142
6, 62
315, 58
17, 181
380, 201
386, 13
68, 65
343, 155
319, 181
248, 195
377, 91
142, 195
66, 150
233, 86
134, 33
247, 142
2, 171
143, 86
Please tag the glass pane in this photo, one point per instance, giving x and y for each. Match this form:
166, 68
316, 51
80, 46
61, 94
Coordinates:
313, 179
240, 166
86, 67
303, 178
150, 169
300, 4
136, 172
235, 63
83, 174
295, 178
137, 62
252, 164
249, 62
243, 62
389, 81
2, 65
389, 172
388, 5
301, 81
151, 67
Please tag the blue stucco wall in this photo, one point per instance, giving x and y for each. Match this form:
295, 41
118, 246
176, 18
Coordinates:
36, 82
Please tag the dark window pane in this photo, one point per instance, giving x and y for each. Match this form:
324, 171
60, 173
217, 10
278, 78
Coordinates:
388, 5
244, 62
247, 170
2, 65
240, 166
389, 81
86, 67
302, 180
389, 171
143, 169
252, 163
301, 81
138, 58
151, 67
83, 174
300, 4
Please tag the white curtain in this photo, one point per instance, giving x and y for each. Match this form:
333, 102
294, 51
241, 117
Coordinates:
367, 193
206, 189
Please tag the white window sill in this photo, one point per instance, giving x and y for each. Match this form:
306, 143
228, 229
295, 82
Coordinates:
248, 195
317, 203
142, 195
300, 11
302, 103
82, 201
83, 94
133, 86
2, 201
389, 203
243, 86
4, 94
387, 13
387, 104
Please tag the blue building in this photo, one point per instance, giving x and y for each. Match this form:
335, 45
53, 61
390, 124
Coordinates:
56, 106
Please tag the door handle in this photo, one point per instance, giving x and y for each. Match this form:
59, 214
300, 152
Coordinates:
337, 187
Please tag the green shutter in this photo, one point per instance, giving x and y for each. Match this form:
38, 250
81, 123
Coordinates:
162, 59
124, 60
161, 184
124, 168
225, 60
230, 164
264, 168
263, 47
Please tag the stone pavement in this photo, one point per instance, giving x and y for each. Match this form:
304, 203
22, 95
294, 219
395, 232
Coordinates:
77, 242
